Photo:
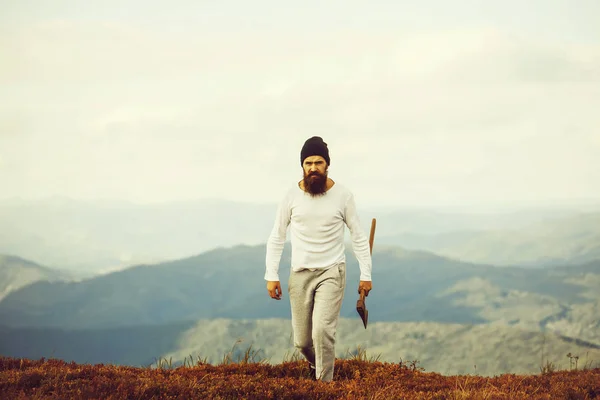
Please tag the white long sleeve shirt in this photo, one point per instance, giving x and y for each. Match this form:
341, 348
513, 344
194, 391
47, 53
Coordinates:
317, 232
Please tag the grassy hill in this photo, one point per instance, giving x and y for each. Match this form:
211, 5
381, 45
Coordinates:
353, 379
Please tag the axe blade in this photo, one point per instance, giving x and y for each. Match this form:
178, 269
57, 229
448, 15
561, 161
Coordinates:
361, 308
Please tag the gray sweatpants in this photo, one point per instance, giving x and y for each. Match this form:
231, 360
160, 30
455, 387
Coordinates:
316, 299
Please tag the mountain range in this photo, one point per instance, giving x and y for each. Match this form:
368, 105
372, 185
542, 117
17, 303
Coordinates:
431, 300
228, 283
171, 307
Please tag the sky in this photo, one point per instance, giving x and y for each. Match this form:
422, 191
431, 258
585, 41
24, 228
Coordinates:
472, 103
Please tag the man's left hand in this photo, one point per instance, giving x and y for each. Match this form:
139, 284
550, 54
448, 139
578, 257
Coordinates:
366, 286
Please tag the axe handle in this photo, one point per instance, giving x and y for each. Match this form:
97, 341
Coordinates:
371, 238
372, 235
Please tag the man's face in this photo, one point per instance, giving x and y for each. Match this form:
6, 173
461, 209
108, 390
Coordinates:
315, 175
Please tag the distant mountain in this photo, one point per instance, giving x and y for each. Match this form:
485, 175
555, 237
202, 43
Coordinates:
101, 236
554, 241
16, 273
93, 237
445, 348
228, 283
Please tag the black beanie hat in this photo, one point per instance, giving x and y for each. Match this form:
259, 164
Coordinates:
315, 146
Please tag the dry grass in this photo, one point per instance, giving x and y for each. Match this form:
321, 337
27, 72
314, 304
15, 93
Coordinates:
356, 378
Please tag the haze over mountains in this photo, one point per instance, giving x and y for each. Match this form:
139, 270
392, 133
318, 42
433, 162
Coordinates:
562, 240
93, 237
431, 302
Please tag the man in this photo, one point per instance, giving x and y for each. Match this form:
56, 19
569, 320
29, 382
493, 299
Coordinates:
316, 209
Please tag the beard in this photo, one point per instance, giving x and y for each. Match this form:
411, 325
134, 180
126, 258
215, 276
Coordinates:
315, 183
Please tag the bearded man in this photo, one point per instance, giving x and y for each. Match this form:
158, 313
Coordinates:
316, 209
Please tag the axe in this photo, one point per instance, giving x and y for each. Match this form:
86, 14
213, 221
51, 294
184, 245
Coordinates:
361, 306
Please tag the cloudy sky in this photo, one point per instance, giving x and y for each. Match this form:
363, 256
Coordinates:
438, 103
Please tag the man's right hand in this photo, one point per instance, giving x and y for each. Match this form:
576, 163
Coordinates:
274, 289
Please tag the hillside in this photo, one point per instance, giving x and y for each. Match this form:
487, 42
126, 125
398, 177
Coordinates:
553, 241
228, 283
353, 379
199, 287
16, 273
444, 348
